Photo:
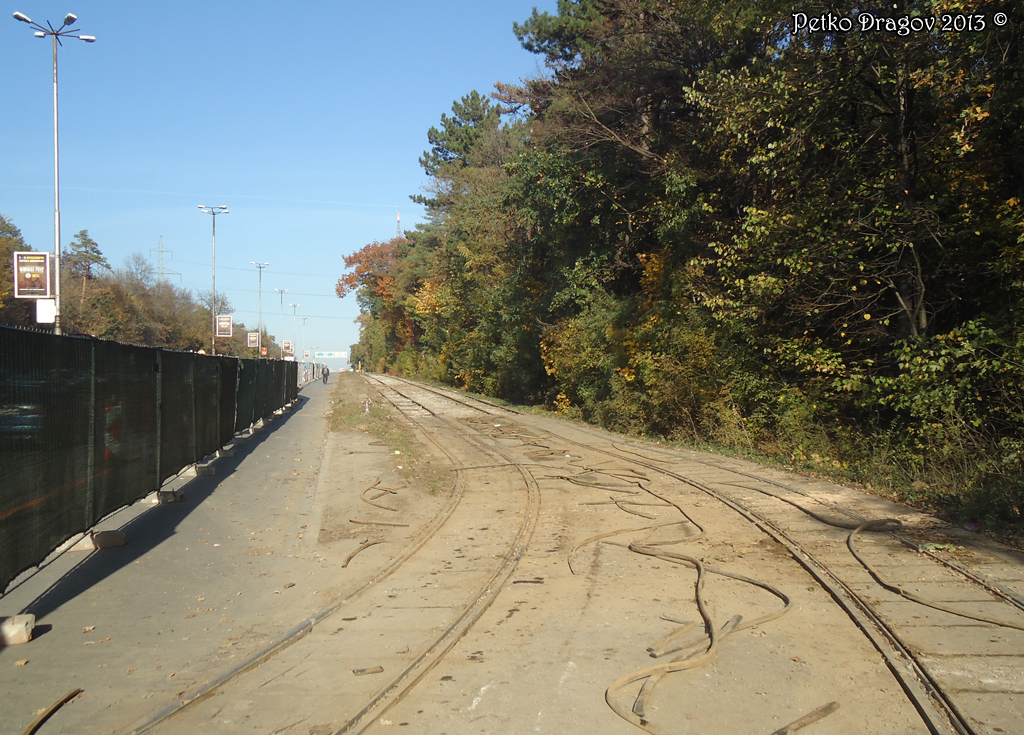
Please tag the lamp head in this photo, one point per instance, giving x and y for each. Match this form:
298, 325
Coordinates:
22, 17
70, 18
88, 39
39, 34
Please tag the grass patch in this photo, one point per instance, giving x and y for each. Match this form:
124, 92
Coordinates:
360, 407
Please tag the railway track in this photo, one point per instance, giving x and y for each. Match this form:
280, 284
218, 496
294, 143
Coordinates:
441, 612
946, 620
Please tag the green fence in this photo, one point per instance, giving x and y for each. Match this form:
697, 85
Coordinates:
88, 426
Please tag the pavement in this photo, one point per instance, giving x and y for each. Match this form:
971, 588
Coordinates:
199, 586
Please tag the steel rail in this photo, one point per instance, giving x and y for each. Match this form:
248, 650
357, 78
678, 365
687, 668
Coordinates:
403, 683
306, 626
938, 712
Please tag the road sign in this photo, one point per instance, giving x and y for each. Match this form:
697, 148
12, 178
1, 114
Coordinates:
253, 339
339, 355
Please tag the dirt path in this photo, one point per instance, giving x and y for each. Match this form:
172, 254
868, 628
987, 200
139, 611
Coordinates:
473, 570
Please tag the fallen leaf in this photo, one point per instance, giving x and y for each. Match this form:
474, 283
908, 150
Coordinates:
22, 662
89, 629
131, 670
104, 640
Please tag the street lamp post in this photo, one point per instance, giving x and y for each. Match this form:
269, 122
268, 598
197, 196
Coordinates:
282, 291
213, 212
261, 266
294, 330
56, 34
304, 336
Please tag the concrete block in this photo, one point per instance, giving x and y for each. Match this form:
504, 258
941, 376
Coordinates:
170, 496
206, 469
100, 540
16, 630
228, 451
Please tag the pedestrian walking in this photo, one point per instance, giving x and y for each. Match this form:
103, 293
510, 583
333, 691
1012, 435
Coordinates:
326, 373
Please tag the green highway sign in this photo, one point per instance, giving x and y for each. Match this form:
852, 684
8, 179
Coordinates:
341, 355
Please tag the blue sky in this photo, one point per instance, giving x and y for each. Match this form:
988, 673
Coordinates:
306, 118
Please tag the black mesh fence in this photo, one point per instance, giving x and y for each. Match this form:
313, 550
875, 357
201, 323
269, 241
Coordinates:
88, 426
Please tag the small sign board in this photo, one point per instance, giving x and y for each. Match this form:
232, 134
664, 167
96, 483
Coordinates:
263, 351
32, 275
305, 354
253, 339
340, 355
46, 311
225, 325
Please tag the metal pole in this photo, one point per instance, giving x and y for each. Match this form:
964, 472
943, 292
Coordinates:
213, 292
294, 330
261, 266
282, 336
56, 34
304, 336
56, 197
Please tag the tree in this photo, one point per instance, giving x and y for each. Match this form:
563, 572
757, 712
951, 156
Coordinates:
82, 258
15, 312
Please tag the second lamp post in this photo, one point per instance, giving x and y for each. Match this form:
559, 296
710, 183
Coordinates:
214, 211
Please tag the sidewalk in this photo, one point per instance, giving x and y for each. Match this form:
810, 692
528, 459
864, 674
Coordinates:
199, 586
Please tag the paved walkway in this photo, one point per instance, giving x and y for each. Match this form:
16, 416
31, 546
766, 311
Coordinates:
199, 586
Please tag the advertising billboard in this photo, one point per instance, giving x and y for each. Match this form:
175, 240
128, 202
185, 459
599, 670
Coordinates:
32, 275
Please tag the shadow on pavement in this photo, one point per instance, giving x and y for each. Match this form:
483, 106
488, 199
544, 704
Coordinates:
149, 529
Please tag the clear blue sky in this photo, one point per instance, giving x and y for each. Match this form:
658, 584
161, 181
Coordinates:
306, 118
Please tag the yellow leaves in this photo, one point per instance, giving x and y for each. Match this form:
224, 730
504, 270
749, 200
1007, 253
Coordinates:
867, 317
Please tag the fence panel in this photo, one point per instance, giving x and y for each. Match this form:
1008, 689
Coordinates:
125, 443
177, 413
88, 426
45, 424
207, 397
245, 415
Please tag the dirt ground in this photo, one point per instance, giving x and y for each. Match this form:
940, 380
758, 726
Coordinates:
457, 569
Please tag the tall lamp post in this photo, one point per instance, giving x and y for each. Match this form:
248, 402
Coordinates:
294, 330
282, 291
304, 336
213, 212
56, 34
261, 266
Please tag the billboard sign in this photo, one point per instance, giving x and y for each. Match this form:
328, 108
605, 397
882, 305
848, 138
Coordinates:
32, 275
225, 325
253, 339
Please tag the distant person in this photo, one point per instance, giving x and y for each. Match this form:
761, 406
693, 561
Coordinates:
326, 373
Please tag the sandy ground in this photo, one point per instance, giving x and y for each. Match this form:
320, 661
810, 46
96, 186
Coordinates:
431, 566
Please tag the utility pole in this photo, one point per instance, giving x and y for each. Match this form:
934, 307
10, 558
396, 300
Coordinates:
261, 266
294, 330
282, 291
213, 212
